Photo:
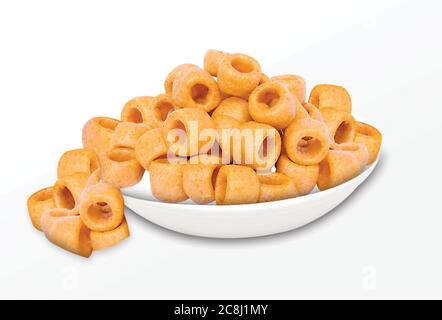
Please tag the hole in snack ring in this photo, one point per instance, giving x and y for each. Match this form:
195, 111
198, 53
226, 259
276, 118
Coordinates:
66, 198
269, 97
108, 124
98, 214
309, 146
199, 93
343, 133
242, 65
121, 154
214, 176
162, 110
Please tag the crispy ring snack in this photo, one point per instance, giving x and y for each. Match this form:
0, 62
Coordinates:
157, 110
233, 107
68, 232
150, 146
166, 180
77, 161
330, 96
272, 103
276, 186
304, 177
371, 138
238, 75
50, 216
342, 165
136, 110
296, 85
67, 190
102, 207
260, 146
182, 131
341, 124
307, 141
313, 112
195, 88
199, 178
120, 168
212, 59
168, 84
236, 185
127, 134
103, 240
97, 134
38, 203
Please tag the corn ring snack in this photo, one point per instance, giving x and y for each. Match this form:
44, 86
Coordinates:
106, 239
166, 180
157, 110
70, 233
295, 84
38, 203
212, 59
313, 112
276, 186
97, 134
136, 110
67, 190
50, 216
238, 75
101, 207
272, 103
307, 141
342, 165
77, 161
341, 124
183, 129
304, 177
358, 150
168, 83
371, 138
233, 107
120, 168
330, 96
199, 178
150, 146
236, 185
127, 134
195, 88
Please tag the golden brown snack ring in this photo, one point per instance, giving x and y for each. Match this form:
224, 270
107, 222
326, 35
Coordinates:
341, 124
260, 146
236, 185
199, 178
150, 146
304, 177
67, 190
341, 165
195, 88
50, 216
238, 75
313, 112
276, 186
272, 103
97, 134
101, 207
136, 110
212, 60
370, 137
158, 110
70, 233
188, 124
38, 203
120, 168
330, 96
168, 83
126, 134
307, 141
233, 107
103, 240
166, 180
77, 161
296, 85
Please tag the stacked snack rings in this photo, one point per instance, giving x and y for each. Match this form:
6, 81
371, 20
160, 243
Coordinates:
371, 138
97, 134
157, 110
238, 75
296, 85
341, 124
307, 141
183, 130
171, 77
212, 59
304, 177
166, 180
273, 103
276, 186
67, 190
330, 96
150, 146
136, 110
233, 107
236, 185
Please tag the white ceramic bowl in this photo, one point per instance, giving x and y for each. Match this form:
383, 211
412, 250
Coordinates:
239, 221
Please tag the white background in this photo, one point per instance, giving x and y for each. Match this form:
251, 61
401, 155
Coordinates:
63, 62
